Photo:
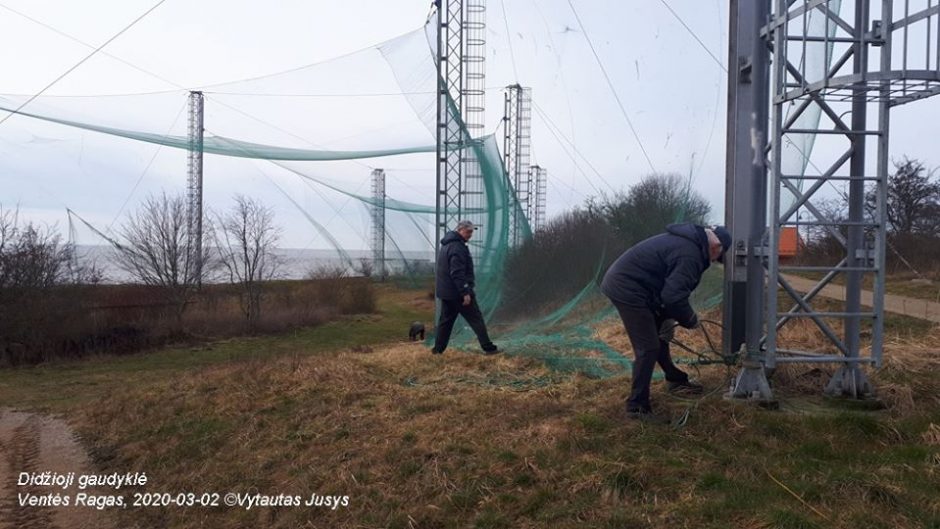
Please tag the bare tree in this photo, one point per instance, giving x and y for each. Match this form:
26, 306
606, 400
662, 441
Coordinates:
913, 199
246, 239
157, 249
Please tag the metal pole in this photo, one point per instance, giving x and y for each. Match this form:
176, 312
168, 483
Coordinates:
849, 380
746, 192
194, 188
441, 89
378, 224
882, 188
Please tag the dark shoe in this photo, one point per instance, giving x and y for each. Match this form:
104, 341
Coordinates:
685, 388
491, 350
436, 352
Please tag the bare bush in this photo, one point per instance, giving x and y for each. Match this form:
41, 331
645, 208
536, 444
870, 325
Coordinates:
366, 267
652, 204
359, 296
328, 280
31, 256
328, 271
334, 289
34, 261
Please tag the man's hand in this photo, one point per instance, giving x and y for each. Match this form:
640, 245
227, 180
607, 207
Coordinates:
667, 331
466, 299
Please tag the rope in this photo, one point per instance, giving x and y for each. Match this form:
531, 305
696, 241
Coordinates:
707, 356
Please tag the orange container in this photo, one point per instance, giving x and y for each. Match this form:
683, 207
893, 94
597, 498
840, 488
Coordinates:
789, 241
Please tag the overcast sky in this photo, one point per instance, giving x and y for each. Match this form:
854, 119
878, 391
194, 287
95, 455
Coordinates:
672, 90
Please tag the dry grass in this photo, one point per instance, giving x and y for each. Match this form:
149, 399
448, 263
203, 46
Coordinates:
464, 440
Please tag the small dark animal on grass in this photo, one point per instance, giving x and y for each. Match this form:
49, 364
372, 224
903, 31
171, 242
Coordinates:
416, 332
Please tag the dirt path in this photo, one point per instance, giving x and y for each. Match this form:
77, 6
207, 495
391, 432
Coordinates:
915, 308
35, 443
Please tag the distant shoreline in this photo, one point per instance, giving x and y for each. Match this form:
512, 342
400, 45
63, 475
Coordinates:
296, 263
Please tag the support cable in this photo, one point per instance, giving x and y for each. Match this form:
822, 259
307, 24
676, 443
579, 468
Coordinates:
694, 36
79, 63
512, 55
559, 135
610, 85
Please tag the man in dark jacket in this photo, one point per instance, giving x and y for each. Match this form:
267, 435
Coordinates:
650, 286
455, 282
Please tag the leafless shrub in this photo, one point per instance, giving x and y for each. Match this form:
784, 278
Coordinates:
34, 262
328, 271
31, 257
359, 296
366, 267
334, 288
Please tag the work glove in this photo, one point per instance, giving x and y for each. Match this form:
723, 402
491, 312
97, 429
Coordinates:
667, 330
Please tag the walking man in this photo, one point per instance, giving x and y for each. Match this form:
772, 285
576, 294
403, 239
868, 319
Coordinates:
455, 282
650, 286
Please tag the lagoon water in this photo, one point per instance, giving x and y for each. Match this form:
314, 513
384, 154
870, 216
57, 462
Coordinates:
295, 263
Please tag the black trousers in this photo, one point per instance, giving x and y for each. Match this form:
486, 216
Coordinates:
450, 309
642, 326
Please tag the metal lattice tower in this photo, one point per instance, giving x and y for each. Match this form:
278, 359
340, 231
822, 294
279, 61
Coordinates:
378, 223
878, 58
517, 132
194, 179
461, 53
474, 113
538, 180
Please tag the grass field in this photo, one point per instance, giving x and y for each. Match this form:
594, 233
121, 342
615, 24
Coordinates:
463, 440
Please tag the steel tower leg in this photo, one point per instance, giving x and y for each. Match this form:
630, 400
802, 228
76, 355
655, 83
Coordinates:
746, 195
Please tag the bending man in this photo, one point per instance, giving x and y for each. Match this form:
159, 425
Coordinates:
650, 286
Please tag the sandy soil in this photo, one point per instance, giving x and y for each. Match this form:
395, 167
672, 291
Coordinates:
36, 443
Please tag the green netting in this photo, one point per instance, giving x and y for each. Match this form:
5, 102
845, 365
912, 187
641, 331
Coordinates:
543, 304
228, 146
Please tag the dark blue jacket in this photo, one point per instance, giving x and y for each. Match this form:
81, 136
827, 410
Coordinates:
661, 272
454, 268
